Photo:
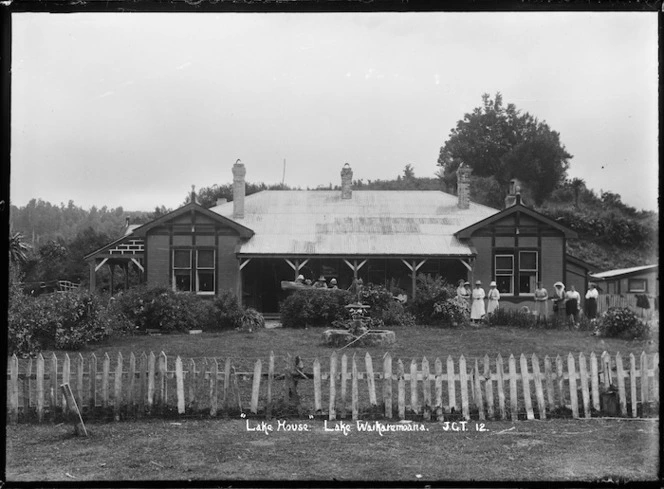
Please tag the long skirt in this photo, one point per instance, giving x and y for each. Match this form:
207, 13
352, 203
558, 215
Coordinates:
491, 306
571, 307
591, 308
542, 308
477, 310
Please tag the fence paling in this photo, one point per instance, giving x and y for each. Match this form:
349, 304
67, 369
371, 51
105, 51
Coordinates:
450, 383
127, 390
270, 380
344, 379
54, 389
371, 384
401, 390
66, 365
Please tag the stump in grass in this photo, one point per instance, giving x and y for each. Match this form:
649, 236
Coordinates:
342, 337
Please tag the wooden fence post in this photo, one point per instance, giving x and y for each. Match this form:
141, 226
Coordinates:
525, 384
548, 375
583, 375
270, 381
151, 381
26, 387
344, 379
256, 386
179, 384
438, 366
204, 385
332, 413
214, 384
227, 382
488, 387
93, 382
500, 382
414, 402
192, 387
72, 408
463, 378
632, 384
571, 372
354, 391
387, 384
117, 392
106, 367
40, 388
401, 390
514, 406
66, 369
561, 381
142, 383
13, 388
451, 386
426, 389
622, 395
162, 366
478, 392
54, 386
318, 409
131, 393
644, 381
594, 380
539, 393
371, 384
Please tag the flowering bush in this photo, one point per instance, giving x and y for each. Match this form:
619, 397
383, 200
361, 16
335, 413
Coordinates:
431, 291
383, 306
453, 312
622, 322
252, 319
315, 307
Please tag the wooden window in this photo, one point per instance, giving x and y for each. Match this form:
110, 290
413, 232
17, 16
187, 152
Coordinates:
637, 285
504, 273
528, 272
205, 271
182, 270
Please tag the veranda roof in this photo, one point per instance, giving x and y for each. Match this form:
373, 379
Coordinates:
619, 272
388, 223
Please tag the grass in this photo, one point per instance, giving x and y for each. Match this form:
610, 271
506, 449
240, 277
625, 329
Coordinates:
412, 342
563, 450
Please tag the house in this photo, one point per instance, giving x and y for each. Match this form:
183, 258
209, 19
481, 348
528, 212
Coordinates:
251, 244
635, 287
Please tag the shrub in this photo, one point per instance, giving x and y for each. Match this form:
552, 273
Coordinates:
452, 312
383, 306
228, 312
252, 319
622, 322
62, 321
314, 307
430, 291
512, 318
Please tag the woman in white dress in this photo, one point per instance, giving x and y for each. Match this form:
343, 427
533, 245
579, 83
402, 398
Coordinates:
477, 310
494, 296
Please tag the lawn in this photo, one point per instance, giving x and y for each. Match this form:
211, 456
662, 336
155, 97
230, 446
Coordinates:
563, 450
412, 342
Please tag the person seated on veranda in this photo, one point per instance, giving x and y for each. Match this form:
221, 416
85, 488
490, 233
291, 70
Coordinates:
300, 279
320, 283
333, 283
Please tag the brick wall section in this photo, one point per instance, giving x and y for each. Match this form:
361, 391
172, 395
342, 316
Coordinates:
552, 261
158, 251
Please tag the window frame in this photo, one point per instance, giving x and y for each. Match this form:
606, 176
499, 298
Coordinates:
213, 268
631, 289
496, 274
528, 270
175, 268
194, 269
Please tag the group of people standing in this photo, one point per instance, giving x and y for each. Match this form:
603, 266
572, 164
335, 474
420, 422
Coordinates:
476, 298
568, 301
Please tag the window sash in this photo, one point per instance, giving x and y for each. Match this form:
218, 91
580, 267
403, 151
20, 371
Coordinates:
637, 285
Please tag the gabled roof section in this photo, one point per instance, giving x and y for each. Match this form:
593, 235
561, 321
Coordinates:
244, 231
126, 238
466, 233
623, 272
579, 262
372, 222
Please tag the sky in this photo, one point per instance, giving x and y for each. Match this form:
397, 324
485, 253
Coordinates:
132, 110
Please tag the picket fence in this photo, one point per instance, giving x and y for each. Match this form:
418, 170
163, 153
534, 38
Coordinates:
155, 385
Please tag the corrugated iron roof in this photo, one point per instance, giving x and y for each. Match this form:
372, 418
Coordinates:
621, 271
371, 222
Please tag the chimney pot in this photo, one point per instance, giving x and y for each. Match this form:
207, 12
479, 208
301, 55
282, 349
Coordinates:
239, 171
346, 182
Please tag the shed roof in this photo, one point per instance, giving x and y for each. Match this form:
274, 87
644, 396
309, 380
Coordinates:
619, 272
371, 222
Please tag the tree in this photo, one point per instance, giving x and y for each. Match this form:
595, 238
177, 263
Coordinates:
502, 143
18, 249
577, 185
408, 172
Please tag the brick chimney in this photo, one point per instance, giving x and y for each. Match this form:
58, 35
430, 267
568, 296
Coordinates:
514, 194
463, 186
239, 172
346, 181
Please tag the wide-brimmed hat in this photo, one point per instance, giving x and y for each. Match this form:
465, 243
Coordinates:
478, 282
333, 281
321, 279
300, 277
559, 284
466, 283
492, 284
